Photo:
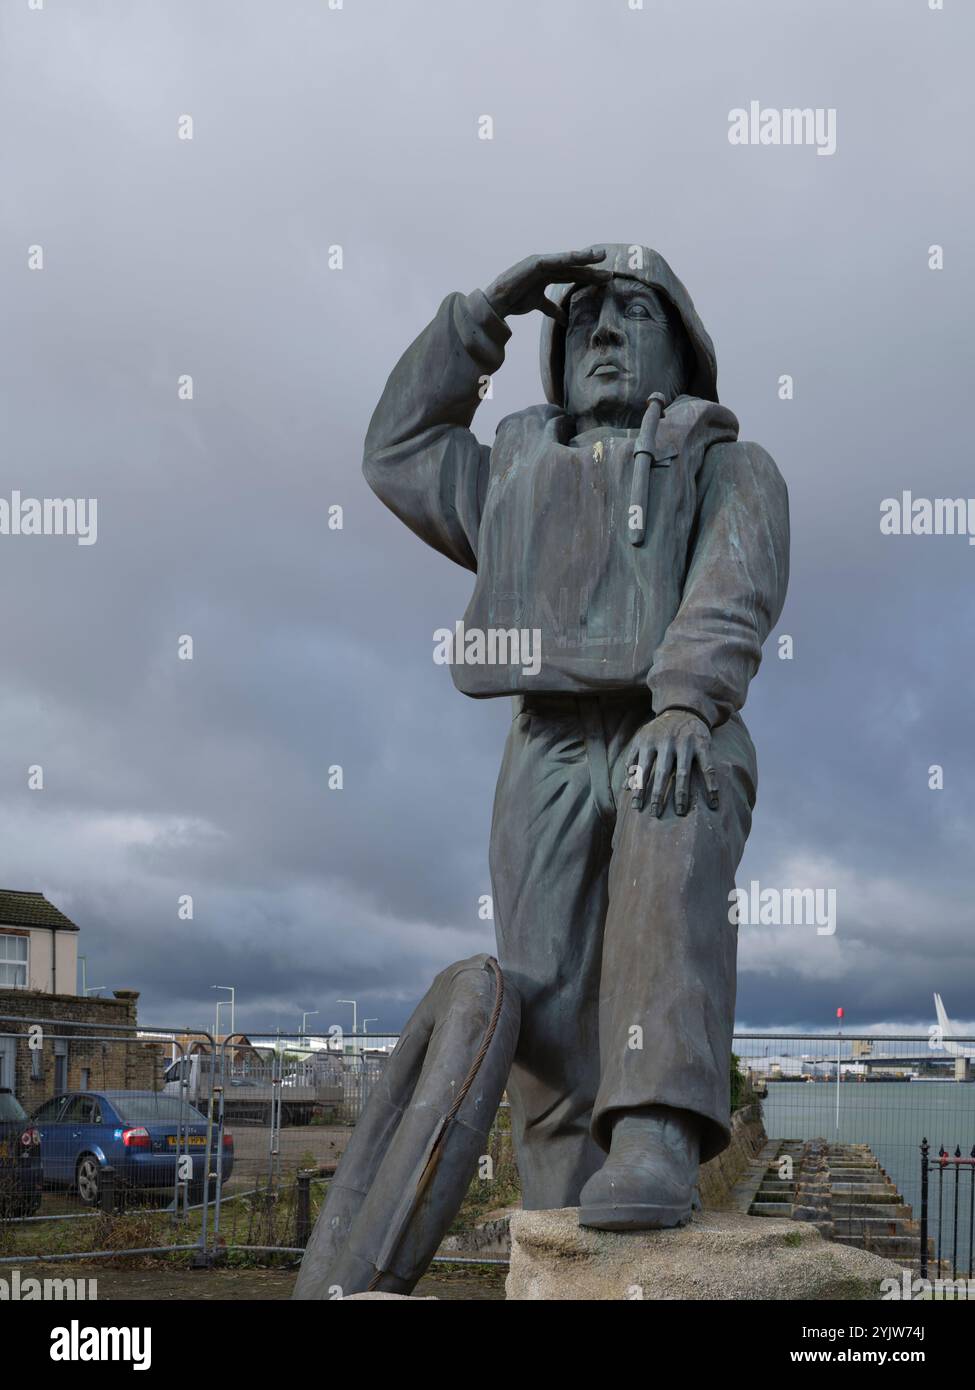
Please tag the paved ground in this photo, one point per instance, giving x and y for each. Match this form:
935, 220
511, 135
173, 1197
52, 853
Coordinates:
164, 1284
300, 1146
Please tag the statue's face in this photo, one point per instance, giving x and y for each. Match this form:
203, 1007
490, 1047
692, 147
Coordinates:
620, 345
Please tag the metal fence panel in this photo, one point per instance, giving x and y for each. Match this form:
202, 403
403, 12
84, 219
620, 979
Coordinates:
233, 1145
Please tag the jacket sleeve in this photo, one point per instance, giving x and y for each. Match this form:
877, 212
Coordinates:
421, 458
734, 587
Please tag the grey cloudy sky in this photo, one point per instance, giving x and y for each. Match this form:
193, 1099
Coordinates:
315, 127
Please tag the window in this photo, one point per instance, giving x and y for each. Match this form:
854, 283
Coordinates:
48, 1112
156, 1109
86, 1078
13, 961
82, 1110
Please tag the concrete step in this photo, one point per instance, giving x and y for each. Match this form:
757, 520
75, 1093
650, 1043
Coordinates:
869, 1227
869, 1192
863, 1206
862, 1180
845, 1211
857, 1174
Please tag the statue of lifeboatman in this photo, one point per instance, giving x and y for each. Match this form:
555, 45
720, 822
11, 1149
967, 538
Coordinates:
645, 547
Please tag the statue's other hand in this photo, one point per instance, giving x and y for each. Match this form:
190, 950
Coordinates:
669, 747
522, 288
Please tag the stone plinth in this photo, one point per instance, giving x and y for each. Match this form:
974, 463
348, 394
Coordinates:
720, 1255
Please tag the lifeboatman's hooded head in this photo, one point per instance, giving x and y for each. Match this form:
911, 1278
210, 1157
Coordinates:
639, 333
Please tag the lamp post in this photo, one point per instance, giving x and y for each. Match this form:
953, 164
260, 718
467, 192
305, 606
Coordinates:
355, 1016
232, 1002
86, 988
839, 1035
308, 1013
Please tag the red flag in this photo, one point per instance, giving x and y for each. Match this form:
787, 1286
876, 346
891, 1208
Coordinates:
839, 1013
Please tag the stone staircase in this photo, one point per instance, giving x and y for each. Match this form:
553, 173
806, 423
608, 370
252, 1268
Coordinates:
844, 1192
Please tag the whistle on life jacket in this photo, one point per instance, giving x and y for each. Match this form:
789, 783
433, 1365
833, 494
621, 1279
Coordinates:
643, 460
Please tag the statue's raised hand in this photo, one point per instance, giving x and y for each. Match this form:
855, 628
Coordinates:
666, 751
522, 288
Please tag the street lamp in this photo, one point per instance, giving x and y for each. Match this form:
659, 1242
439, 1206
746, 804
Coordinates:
87, 989
232, 1002
309, 1013
355, 1015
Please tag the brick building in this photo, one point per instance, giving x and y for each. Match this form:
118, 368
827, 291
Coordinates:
79, 1043
86, 1044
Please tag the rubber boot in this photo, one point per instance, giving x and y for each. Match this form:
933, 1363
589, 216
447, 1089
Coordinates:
649, 1179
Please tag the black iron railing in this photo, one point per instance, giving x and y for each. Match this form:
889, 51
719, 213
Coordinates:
956, 1174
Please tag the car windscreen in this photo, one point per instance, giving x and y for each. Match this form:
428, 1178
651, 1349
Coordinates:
160, 1110
11, 1109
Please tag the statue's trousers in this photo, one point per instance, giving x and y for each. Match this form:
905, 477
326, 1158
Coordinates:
617, 928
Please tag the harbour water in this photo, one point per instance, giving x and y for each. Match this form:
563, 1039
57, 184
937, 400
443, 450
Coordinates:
892, 1118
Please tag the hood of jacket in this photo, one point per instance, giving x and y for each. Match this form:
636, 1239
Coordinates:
648, 266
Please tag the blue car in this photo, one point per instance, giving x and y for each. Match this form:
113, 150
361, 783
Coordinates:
20, 1159
139, 1134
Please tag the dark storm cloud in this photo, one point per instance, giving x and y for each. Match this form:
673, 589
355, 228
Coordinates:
313, 647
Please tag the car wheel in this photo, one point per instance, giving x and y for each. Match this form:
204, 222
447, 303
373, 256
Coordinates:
87, 1180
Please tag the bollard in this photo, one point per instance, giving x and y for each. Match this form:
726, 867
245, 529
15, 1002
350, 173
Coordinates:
106, 1190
